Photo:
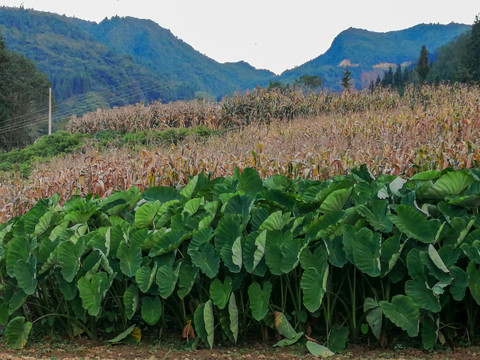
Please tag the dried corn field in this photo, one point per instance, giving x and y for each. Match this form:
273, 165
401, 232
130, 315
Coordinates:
428, 128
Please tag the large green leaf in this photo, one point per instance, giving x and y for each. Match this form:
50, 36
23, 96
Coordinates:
314, 286
276, 221
403, 312
17, 332
220, 292
25, 273
259, 299
206, 259
473, 281
459, 283
16, 301
233, 316
186, 279
227, 232
337, 339
68, 290
239, 205
377, 215
364, 247
17, 250
336, 200
430, 329
374, 316
162, 194
130, 258
452, 183
145, 277
199, 322
166, 279
145, 214
423, 296
130, 301
250, 183
283, 326
209, 322
168, 242
93, 290
151, 310
68, 255
414, 225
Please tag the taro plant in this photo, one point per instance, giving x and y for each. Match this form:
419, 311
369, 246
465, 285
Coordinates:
320, 262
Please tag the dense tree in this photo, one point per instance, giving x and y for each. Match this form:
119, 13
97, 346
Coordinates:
388, 78
309, 81
422, 66
472, 60
23, 99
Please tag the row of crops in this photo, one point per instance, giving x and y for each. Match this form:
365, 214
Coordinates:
319, 262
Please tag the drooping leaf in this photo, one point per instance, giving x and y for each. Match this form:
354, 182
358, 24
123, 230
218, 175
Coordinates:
220, 292
291, 341
206, 259
17, 332
122, 336
337, 340
423, 296
414, 225
336, 200
259, 299
145, 277
130, 301
233, 316
166, 279
199, 322
459, 283
283, 326
68, 255
430, 329
319, 350
93, 290
374, 316
403, 312
130, 259
145, 214
16, 301
25, 273
186, 279
473, 281
364, 247
314, 286
209, 322
151, 310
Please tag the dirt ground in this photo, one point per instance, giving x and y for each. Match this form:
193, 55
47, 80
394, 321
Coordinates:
88, 350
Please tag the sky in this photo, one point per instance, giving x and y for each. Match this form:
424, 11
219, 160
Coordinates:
269, 34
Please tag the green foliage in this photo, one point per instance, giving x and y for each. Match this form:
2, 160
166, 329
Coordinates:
423, 67
364, 257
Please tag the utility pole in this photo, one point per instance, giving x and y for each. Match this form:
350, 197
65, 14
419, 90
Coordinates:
50, 111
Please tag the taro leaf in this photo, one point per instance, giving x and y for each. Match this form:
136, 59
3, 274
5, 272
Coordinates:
199, 238
319, 350
314, 286
228, 230
206, 259
273, 252
459, 283
151, 310
403, 312
17, 332
26, 275
209, 322
192, 206
130, 301
364, 247
415, 265
452, 183
374, 316
68, 255
4, 313
250, 183
376, 214
276, 221
166, 280
396, 185
429, 332
291, 341
162, 194
237, 258
16, 301
122, 336
145, 276
18, 249
473, 281
233, 316
283, 326
190, 189
168, 242
186, 279
220, 293
390, 253
290, 250
92, 291
414, 225
130, 258
259, 299
199, 322
423, 296
336, 200
337, 340
336, 254
426, 175
260, 248
145, 214
68, 290
239, 205
437, 260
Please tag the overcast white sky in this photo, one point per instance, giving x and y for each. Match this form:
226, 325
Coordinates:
269, 34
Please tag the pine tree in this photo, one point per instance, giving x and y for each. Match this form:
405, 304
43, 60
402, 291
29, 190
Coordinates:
346, 80
422, 66
388, 78
397, 77
473, 51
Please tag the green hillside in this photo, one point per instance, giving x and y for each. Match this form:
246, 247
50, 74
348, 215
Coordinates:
365, 49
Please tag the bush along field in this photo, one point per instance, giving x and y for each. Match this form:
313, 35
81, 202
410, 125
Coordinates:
324, 263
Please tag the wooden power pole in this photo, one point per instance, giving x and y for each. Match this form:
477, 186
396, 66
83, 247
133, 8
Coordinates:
50, 111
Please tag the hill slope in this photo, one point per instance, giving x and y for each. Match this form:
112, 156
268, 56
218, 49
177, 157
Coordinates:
119, 61
366, 49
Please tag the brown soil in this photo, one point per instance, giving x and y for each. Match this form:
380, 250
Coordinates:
88, 350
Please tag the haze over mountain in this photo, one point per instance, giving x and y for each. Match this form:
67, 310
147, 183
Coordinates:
125, 60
